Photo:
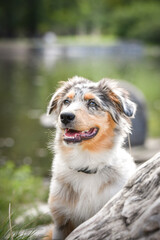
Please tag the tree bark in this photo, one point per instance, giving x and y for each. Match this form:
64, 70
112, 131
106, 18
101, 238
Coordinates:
134, 213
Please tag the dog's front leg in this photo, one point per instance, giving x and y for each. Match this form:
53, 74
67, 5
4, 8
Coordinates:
57, 234
63, 225
60, 232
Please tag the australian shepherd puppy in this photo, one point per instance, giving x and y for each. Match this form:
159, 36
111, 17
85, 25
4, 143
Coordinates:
90, 166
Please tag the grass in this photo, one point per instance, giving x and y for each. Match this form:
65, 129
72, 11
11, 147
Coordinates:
23, 231
10, 232
87, 39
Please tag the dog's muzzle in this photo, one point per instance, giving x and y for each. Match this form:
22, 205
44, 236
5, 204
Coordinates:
67, 117
75, 136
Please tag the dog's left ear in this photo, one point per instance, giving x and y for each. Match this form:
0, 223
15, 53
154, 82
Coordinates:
128, 107
118, 97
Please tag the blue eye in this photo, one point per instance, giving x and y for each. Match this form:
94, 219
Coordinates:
92, 103
66, 102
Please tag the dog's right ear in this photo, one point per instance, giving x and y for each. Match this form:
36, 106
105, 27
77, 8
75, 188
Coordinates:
53, 104
53, 107
56, 99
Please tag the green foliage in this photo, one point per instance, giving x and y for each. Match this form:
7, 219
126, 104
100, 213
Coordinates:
18, 186
140, 20
128, 19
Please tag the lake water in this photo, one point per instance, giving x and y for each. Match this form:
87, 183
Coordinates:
29, 75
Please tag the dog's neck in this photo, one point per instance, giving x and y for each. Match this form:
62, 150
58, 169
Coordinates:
87, 170
92, 171
86, 162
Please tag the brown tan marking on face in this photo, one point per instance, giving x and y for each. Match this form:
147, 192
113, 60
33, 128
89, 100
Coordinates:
104, 138
71, 94
88, 96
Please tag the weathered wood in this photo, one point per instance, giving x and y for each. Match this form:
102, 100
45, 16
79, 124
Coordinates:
134, 213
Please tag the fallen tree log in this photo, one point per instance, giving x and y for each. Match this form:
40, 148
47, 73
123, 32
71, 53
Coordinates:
134, 213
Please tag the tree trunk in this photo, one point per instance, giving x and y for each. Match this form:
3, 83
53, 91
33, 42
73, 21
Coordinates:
134, 213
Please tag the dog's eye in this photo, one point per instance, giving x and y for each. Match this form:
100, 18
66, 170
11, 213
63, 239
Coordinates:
92, 103
66, 102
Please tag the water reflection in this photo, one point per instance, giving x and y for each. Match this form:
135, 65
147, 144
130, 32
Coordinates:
28, 77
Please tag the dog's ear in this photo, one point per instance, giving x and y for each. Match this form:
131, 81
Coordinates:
53, 103
118, 97
129, 107
56, 99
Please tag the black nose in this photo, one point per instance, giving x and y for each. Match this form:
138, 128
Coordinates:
67, 117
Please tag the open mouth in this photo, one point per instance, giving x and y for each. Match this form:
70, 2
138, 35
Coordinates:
74, 136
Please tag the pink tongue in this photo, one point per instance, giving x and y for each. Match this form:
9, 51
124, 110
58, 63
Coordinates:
78, 134
72, 133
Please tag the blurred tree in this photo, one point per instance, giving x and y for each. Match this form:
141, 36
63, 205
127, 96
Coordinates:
8, 19
124, 18
63, 17
137, 21
33, 16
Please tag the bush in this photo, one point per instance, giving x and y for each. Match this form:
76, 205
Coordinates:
137, 21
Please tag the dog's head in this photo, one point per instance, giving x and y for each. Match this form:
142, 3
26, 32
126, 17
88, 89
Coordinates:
91, 114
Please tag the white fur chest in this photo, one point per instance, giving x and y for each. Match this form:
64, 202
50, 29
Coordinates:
93, 194
90, 191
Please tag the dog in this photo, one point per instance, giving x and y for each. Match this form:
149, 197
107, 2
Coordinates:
90, 165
